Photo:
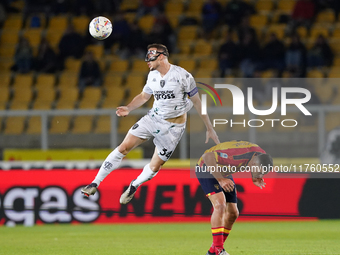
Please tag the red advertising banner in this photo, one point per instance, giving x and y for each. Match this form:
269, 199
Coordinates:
40, 196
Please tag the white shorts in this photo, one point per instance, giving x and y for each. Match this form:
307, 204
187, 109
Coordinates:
166, 134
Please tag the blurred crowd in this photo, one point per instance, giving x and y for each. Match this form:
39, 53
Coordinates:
241, 48
247, 53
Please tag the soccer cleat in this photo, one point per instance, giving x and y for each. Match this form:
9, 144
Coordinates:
128, 194
210, 253
222, 252
90, 189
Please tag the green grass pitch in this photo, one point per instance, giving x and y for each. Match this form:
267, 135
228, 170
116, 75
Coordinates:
246, 238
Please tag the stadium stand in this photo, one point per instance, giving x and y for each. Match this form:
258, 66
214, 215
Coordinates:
23, 95
36, 21
42, 105
82, 124
139, 66
18, 105
286, 5
14, 125
81, 24
174, 8
33, 35
326, 16
114, 96
67, 98
112, 81
46, 81
68, 79
9, 37
7, 51
125, 124
332, 121
4, 97
53, 37
6, 79
202, 48
60, 124
90, 98
146, 23
195, 125
187, 33
278, 29
103, 125
135, 82
188, 64
118, 67
45, 94
73, 65
34, 125
123, 78
127, 5
97, 50
209, 64
264, 6
13, 23
58, 23
22, 81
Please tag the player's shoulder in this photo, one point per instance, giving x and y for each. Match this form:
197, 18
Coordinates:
180, 71
153, 73
234, 144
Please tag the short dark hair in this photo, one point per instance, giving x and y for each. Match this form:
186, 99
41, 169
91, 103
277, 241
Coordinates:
265, 160
159, 47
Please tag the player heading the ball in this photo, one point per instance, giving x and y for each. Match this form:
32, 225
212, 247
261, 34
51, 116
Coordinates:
175, 92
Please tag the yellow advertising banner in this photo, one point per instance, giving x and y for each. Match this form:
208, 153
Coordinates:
64, 154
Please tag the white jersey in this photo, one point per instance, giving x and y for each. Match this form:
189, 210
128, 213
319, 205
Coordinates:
171, 91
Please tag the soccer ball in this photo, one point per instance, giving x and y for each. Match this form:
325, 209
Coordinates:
100, 28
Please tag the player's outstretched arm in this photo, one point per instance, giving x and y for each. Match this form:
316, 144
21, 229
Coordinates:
259, 182
138, 101
210, 130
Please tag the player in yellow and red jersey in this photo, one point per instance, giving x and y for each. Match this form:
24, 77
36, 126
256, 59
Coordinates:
214, 170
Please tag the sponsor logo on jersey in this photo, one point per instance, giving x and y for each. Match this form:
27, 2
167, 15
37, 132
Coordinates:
135, 126
223, 155
164, 94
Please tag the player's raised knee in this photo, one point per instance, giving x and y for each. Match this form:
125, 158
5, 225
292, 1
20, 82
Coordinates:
124, 149
155, 167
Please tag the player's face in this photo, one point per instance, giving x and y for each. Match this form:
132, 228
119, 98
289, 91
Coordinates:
258, 173
256, 168
152, 58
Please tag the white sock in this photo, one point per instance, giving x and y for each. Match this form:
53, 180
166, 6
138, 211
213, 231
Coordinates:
146, 175
111, 163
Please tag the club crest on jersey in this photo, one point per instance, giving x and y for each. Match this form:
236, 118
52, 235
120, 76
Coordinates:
162, 83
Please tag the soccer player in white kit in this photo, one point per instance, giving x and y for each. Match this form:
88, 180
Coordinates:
171, 86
